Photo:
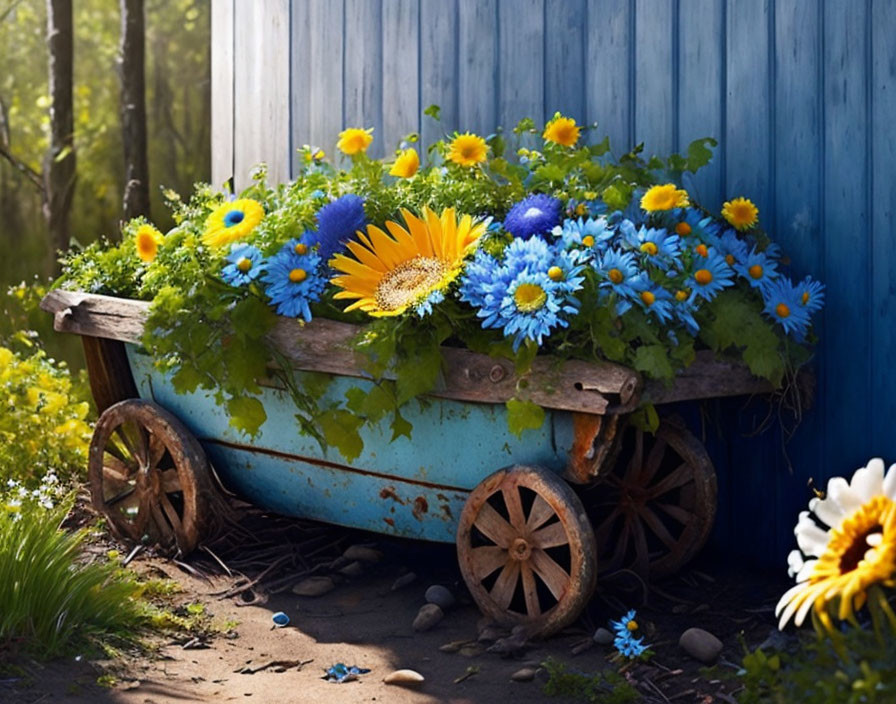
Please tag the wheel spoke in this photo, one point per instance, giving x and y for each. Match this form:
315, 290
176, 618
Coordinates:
678, 513
487, 559
144, 512
530, 590
553, 575
656, 525
634, 465
156, 450
164, 529
639, 540
170, 481
681, 476
121, 496
514, 507
114, 468
551, 537
603, 532
505, 585
618, 556
493, 526
171, 514
540, 513
135, 443
654, 460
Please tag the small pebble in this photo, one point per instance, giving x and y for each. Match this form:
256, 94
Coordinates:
471, 650
314, 586
453, 646
527, 674
582, 646
404, 678
352, 569
363, 554
427, 617
700, 645
440, 596
491, 633
603, 637
403, 581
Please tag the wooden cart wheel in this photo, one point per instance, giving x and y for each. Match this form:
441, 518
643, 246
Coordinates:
149, 477
654, 511
526, 549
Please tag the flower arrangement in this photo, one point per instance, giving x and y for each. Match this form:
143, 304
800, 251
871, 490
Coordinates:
563, 250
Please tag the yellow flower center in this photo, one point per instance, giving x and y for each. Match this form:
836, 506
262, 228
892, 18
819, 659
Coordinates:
703, 276
301, 248
730, 259
782, 310
649, 247
615, 276
632, 625
755, 271
681, 295
410, 281
555, 273
683, 229
588, 241
805, 298
649, 300
529, 297
702, 250
244, 264
298, 275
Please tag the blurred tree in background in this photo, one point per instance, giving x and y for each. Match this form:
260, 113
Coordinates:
178, 95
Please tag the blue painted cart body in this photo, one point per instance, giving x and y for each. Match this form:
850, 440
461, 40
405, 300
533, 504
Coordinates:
414, 488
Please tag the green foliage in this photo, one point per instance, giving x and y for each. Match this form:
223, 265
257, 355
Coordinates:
862, 672
524, 415
603, 687
52, 602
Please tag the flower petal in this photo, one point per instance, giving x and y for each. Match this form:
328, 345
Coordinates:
868, 481
889, 484
840, 492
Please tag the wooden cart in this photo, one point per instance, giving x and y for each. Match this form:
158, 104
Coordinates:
529, 548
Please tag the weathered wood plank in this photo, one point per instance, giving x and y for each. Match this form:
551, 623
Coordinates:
438, 67
520, 61
564, 58
608, 62
478, 66
707, 377
401, 87
299, 81
326, 20
222, 67
362, 81
656, 66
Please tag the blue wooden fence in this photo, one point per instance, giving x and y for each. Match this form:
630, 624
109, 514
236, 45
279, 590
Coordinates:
801, 95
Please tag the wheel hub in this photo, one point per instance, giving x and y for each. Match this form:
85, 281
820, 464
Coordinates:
520, 550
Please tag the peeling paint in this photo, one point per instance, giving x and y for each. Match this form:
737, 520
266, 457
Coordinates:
388, 492
421, 506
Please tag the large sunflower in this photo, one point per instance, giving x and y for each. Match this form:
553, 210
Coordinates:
836, 567
232, 221
413, 267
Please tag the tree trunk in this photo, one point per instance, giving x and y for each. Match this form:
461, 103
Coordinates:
131, 60
59, 164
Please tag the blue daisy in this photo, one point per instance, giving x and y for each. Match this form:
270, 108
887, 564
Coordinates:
293, 281
617, 270
534, 305
732, 247
653, 298
534, 215
591, 235
783, 304
628, 646
711, 274
683, 310
811, 294
626, 624
245, 264
757, 269
483, 282
657, 245
534, 254
691, 223
337, 222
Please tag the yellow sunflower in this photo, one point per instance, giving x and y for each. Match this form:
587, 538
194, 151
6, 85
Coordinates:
741, 213
354, 140
147, 240
413, 267
468, 149
406, 164
847, 547
230, 222
561, 130
665, 197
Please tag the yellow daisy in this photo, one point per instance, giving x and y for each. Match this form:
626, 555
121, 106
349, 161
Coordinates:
561, 130
847, 546
231, 222
468, 149
741, 213
147, 241
406, 164
354, 140
665, 197
411, 268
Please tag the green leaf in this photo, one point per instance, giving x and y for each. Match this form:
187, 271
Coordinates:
700, 153
340, 429
496, 142
400, 426
434, 111
550, 173
601, 147
247, 414
523, 415
252, 317
186, 379
417, 373
653, 360
616, 197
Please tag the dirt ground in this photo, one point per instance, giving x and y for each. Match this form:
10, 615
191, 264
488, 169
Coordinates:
365, 622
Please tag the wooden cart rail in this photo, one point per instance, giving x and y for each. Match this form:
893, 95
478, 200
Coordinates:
598, 388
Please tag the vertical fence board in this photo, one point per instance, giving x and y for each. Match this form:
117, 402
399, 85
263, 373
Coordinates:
883, 198
520, 61
608, 60
400, 96
655, 76
564, 58
362, 79
222, 90
847, 270
326, 38
300, 80
478, 66
438, 66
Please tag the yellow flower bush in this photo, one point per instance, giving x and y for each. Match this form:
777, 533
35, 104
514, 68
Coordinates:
43, 422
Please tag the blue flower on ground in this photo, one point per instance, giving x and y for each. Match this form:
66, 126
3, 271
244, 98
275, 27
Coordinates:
732, 247
653, 298
783, 304
534, 215
811, 294
337, 222
626, 624
245, 264
628, 646
711, 274
294, 280
757, 269
592, 234
654, 243
617, 269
